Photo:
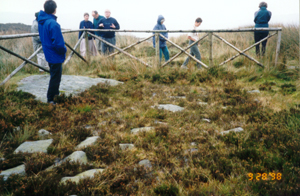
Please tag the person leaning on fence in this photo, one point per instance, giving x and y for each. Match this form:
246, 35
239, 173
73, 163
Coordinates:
162, 42
261, 19
96, 21
54, 46
108, 23
193, 36
86, 24
37, 44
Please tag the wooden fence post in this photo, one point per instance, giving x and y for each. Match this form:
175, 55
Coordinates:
278, 47
211, 49
87, 52
157, 59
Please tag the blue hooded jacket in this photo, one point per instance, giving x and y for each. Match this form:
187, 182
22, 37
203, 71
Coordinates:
51, 37
159, 26
262, 18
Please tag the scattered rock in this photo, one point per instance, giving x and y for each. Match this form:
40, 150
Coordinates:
17, 129
16, 170
169, 107
207, 120
291, 67
254, 91
153, 94
146, 163
224, 107
38, 84
77, 156
136, 130
202, 103
256, 100
88, 127
193, 144
177, 97
2, 159
239, 129
87, 142
87, 174
158, 122
191, 150
36, 146
43, 134
126, 146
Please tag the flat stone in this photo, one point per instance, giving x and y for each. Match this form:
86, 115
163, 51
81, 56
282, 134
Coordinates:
239, 129
43, 134
207, 120
16, 170
202, 103
254, 91
158, 122
169, 107
126, 146
136, 130
177, 97
38, 84
77, 156
146, 163
87, 142
87, 174
35, 146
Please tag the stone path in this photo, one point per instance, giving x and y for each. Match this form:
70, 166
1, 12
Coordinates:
38, 84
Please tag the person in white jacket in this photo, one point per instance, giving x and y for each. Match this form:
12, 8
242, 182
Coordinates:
37, 43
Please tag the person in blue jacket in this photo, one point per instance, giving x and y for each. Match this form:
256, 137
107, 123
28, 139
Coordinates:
162, 42
53, 45
261, 19
108, 23
86, 24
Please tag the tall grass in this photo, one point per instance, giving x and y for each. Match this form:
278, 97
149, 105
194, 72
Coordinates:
289, 53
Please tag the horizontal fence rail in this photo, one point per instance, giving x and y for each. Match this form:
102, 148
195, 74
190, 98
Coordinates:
157, 35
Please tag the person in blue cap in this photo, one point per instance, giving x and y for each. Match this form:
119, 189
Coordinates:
261, 19
162, 42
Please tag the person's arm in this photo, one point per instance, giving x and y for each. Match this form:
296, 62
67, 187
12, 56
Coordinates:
57, 39
117, 26
80, 32
100, 24
255, 16
270, 15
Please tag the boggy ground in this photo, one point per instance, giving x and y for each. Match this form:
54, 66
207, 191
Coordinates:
217, 164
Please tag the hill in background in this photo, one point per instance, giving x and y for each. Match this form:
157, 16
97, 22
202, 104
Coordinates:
18, 27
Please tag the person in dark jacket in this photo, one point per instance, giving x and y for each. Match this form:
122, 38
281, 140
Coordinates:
86, 24
162, 42
96, 21
108, 23
53, 45
261, 19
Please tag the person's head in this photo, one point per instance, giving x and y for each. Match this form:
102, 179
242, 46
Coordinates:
198, 22
50, 7
86, 16
107, 13
162, 21
263, 4
95, 14
36, 15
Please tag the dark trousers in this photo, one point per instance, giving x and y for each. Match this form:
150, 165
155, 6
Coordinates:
55, 78
257, 37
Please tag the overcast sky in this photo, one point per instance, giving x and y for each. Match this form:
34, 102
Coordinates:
142, 14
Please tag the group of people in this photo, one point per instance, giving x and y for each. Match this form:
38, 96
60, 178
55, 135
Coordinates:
100, 22
54, 49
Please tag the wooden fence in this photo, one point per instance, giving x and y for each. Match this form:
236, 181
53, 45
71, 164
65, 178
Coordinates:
157, 35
